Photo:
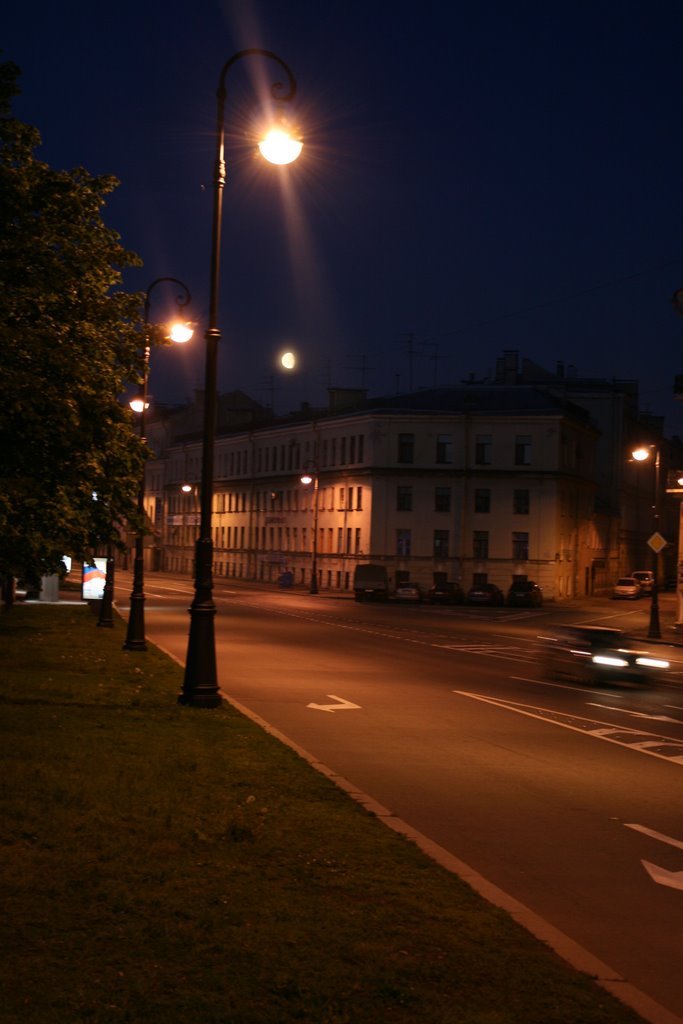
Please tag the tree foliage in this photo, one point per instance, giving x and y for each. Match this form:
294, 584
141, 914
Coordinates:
69, 342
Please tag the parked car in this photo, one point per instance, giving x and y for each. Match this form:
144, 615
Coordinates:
446, 593
486, 594
628, 588
525, 593
409, 592
595, 654
370, 583
646, 578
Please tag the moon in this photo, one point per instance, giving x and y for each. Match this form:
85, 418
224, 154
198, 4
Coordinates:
288, 360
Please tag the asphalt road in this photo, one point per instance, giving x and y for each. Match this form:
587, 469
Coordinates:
568, 798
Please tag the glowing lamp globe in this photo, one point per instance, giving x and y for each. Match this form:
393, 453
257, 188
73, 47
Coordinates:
180, 333
280, 147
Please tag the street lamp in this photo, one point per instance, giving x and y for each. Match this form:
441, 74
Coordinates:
200, 684
642, 454
135, 634
307, 480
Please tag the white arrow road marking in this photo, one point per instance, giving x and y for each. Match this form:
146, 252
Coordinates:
672, 879
656, 835
342, 705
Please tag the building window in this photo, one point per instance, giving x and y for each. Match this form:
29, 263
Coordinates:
483, 449
480, 544
482, 499
520, 502
342, 451
356, 549
444, 449
440, 543
403, 542
442, 499
404, 498
361, 447
352, 448
406, 447
359, 499
520, 547
523, 450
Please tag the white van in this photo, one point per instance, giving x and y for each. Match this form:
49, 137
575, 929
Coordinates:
646, 578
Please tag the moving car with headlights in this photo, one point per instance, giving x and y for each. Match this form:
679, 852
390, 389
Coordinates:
627, 589
525, 594
485, 594
597, 655
446, 593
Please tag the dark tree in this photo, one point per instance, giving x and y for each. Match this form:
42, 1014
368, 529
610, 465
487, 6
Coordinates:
69, 342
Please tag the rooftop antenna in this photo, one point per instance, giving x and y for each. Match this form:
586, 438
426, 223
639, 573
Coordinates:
409, 342
363, 368
270, 389
434, 345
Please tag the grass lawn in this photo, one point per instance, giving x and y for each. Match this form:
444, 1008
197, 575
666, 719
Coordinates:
168, 865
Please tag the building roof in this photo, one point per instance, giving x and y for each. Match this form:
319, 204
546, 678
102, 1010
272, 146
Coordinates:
493, 400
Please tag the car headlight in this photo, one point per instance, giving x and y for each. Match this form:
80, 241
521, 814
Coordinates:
652, 662
609, 660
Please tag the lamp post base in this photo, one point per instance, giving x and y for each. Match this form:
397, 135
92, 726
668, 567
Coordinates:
106, 618
655, 630
200, 685
135, 635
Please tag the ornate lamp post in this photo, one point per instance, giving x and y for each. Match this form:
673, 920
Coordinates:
200, 684
307, 480
135, 634
642, 454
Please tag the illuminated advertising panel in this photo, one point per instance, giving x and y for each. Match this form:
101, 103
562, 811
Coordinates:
94, 578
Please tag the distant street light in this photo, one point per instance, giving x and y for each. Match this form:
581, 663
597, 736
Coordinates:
135, 634
642, 454
307, 480
200, 684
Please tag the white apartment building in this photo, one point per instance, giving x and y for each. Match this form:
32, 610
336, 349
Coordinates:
469, 485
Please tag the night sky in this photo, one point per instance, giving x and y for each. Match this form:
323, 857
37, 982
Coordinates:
476, 177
